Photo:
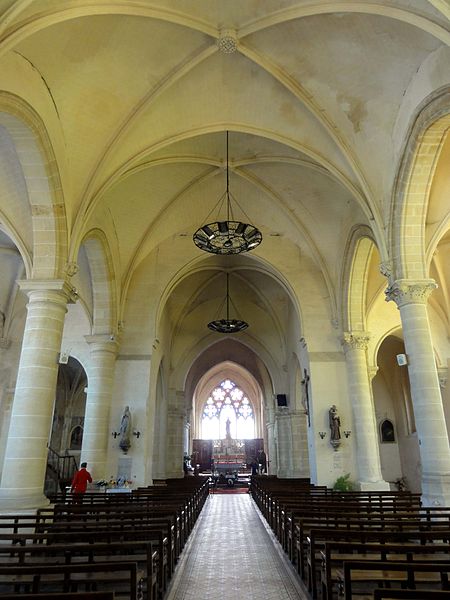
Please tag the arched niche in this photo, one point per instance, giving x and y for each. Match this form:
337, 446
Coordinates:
387, 432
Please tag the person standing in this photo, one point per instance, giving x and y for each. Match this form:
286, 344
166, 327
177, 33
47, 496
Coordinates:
79, 483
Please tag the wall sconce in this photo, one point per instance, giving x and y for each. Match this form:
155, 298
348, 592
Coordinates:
115, 434
137, 434
322, 434
347, 434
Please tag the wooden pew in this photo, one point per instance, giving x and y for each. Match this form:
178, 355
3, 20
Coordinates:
22, 543
142, 553
388, 514
50, 596
69, 578
404, 574
383, 594
337, 523
335, 553
318, 538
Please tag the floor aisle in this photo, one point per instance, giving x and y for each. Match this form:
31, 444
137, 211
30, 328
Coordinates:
232, 554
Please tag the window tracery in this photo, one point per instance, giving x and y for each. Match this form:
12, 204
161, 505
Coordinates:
228, 401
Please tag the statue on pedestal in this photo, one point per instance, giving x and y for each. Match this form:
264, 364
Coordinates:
335, 427
125, 430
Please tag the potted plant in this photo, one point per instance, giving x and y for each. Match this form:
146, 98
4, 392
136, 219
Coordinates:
344, 484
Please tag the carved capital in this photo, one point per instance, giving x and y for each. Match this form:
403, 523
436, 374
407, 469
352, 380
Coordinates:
71, 269
372, 371
66, 289
443, 376
386, 269
404, 291
355, 340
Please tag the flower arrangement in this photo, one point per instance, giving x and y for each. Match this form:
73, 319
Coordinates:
114, 483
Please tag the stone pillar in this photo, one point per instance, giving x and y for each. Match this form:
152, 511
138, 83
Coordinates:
187, 432
411, 298
284, 442
25, 463
300, 462
176, 417
272, 447
96, 434
360, 392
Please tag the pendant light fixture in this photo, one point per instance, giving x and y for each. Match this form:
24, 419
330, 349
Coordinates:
227, 236
227, 325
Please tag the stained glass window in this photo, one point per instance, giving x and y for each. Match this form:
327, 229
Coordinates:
227, 401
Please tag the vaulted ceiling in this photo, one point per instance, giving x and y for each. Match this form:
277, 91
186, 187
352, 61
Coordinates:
137, 96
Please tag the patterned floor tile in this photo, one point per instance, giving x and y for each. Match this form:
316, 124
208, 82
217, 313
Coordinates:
232, 554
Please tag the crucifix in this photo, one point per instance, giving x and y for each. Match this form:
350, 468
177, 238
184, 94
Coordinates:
305, 395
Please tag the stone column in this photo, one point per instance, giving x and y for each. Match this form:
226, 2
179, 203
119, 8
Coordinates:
176, 416
187, 432
272, 448
96, 434
300, 462
411, 298
25, 461
367, 449
284, 442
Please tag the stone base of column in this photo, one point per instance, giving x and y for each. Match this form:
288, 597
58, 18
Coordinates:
300, 473
19, 500
374, 486
284, 474
435, 489
178, 474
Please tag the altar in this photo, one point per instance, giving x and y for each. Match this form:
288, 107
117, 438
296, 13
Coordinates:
227, 455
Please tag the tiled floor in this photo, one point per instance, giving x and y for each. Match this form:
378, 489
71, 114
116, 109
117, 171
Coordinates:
231, 554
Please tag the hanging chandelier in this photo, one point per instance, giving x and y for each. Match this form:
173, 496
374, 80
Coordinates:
227, 325
230, 236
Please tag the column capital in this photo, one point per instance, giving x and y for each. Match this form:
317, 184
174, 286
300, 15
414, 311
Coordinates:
71, 269
406, 291
105, 341
355, 340
30, 286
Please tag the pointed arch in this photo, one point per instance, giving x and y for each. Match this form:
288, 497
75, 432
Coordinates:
413, 183
42, 183
104, 292
358, 254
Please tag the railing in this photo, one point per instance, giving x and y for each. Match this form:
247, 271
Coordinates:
63, 466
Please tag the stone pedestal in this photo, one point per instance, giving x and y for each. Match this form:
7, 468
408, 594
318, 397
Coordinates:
284, 442
300, 462
176, 417
272, 449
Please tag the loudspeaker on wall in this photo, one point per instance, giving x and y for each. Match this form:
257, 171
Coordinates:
281, 400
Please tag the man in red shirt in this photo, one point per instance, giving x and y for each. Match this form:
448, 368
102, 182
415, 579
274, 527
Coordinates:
79, 483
